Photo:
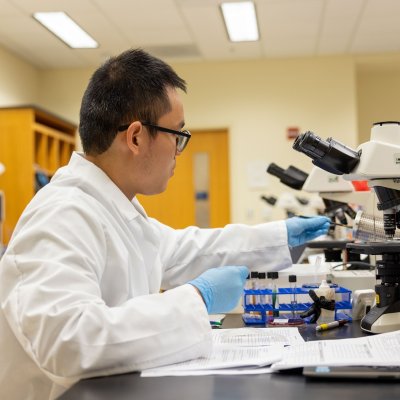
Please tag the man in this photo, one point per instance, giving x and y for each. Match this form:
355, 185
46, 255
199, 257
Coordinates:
80, 281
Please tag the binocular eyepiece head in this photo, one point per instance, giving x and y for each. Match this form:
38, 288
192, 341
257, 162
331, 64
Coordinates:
330, 155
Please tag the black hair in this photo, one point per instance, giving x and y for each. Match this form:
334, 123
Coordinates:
132, 85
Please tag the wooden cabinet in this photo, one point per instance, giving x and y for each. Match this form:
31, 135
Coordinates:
31, 141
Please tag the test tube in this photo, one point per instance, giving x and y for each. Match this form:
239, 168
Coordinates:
254, 285
246, 298
293, 294
275, 296
268, 298
318, 262
262, 284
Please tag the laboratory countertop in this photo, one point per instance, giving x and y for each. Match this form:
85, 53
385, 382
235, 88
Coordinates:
284, 386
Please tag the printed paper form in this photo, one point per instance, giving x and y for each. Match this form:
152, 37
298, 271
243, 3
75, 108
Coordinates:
257, 336
233, 348
223, 356
378, 350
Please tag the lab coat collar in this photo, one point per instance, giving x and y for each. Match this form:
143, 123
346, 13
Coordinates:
98, 179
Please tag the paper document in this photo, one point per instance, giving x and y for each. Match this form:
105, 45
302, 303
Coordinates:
223, 356
257, 337
236, 348
378, 350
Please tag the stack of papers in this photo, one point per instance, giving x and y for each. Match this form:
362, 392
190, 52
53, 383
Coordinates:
264, 350
236, 351
378, 350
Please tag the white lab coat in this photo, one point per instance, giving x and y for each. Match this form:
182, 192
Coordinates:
80, 282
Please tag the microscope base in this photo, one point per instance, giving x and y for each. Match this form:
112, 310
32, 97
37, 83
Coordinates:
382, 319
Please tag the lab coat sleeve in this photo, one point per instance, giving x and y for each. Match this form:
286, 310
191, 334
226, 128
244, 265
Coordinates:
50, 295
189, 252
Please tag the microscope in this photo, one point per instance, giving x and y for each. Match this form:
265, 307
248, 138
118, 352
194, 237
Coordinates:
335, 192
337, 195
378, 162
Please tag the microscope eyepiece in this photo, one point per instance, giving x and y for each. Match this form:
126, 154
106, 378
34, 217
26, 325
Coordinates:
330, 155
311, 144
292, 176
270, 199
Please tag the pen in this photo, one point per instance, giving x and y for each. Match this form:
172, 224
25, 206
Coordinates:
331, 325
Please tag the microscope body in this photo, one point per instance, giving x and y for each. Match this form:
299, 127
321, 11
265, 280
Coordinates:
378, 162
380, 165
385, 315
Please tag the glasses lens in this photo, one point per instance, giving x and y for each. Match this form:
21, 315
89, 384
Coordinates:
180, 143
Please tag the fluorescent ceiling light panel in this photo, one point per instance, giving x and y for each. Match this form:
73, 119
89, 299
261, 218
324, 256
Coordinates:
240, 20
66, 29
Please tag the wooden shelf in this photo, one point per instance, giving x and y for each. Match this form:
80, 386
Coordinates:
31, 139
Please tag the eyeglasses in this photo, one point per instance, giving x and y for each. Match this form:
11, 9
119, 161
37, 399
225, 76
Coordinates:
182, 137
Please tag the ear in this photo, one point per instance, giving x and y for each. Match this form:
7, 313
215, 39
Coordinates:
134, 136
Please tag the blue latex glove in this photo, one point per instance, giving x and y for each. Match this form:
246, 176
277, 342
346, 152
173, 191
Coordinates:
221, 288
301, 230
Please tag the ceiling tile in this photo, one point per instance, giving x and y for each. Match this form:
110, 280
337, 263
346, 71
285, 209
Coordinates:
194, 29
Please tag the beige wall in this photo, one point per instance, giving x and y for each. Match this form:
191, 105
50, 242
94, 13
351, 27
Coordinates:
61, 91
255, 100
18, 81
378, 98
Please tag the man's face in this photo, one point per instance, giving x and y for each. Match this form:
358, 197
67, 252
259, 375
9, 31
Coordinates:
160, 160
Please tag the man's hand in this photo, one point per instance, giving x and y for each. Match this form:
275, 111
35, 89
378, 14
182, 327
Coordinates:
221, 288
301, 230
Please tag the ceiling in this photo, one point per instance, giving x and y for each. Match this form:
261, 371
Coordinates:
183, 30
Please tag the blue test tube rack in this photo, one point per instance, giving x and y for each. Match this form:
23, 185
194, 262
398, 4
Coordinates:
256, 313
